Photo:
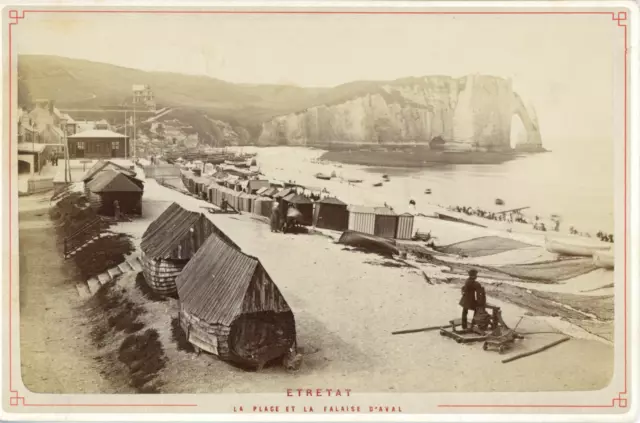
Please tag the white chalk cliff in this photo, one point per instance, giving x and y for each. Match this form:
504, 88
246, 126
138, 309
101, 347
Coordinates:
469, 113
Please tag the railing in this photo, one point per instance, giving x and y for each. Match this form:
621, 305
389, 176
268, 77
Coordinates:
81, 236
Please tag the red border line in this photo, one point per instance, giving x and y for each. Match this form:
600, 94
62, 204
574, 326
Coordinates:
620, 17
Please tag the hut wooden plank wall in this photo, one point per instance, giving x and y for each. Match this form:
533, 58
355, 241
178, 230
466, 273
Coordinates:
405, 226
331, 213
230, 307
169, 243
362, 219
110, 186
386, 222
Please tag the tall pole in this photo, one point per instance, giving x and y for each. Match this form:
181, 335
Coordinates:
126, 141
67, 171
134, 130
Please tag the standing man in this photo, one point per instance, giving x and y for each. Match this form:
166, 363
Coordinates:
469, 300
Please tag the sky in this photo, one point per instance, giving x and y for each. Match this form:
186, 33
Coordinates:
567, 66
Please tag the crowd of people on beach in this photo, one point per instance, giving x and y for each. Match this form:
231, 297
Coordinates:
500, 217
538, 224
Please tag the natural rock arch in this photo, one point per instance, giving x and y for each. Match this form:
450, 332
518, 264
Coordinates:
532, 141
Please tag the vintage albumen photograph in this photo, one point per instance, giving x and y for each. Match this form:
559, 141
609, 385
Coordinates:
315, 204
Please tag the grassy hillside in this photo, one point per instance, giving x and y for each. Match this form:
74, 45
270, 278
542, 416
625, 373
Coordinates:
84, 84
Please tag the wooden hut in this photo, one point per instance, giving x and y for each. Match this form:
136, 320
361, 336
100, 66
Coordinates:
386, 222
405, 226
304, 206
254, 185
362, 219
230, 307
100, 166
110, 186
331, 213
169, 243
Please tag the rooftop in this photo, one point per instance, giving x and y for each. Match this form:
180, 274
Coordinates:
27, 147
97, 133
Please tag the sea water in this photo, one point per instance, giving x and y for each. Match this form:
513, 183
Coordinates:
576, 184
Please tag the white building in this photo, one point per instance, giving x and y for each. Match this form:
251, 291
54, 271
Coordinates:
143, 97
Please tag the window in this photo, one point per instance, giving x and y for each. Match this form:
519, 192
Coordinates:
80, 145
115, 145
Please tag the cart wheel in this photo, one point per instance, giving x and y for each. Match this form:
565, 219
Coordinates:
485, 346
502, 349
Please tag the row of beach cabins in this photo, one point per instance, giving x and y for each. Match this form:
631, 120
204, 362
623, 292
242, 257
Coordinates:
228, 303
260, 196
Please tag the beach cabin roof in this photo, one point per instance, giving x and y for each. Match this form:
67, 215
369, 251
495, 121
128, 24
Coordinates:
284, 192
221, 282
331, 200
171, 230
167, 232
384, 211
361, 209
297, 199
112, 181
102, 165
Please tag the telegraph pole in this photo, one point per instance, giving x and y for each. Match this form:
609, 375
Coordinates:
134, 131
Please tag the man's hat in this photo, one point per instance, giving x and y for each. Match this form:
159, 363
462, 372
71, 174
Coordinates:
473, 272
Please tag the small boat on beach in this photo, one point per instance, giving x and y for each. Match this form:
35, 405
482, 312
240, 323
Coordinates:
427, 191
323, 176
499, 202
569, 247
379, 184
604, 259
354, 181
385, 177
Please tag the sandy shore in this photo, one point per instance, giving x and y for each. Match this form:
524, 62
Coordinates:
346, 305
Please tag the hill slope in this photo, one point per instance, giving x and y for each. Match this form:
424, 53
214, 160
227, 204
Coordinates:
471, 112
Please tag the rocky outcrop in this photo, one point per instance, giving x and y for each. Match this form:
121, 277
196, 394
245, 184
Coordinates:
470, 113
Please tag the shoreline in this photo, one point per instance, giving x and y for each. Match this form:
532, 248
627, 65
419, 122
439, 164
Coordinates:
344, 326
416, 157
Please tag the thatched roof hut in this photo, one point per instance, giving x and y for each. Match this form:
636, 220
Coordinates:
170, 242
230, 307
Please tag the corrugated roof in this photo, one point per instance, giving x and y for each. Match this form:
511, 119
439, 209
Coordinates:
97, 133
220, 282
384, 211
332, 200
171, 230
112, 181
166, 232
360, 209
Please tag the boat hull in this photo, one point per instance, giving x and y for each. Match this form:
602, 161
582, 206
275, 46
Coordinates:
566, 248
604, 259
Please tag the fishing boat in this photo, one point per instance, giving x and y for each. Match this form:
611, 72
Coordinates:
323, 176
385, 177
354, 181
499, 202
604, 259
379, 184
570, 247
427, 191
